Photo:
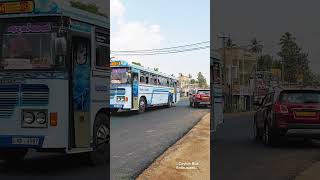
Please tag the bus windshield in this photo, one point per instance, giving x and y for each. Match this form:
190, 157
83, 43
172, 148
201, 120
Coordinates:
27, 51
120, 76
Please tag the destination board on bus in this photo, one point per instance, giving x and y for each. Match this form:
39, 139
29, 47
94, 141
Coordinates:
115, 63
16, 7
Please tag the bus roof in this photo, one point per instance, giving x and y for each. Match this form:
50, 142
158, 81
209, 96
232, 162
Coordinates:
52, 8
123, 63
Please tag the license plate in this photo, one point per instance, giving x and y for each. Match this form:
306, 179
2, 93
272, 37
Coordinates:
25, 141
306, 114
117, 106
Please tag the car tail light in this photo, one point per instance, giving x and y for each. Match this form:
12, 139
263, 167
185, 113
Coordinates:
281, 108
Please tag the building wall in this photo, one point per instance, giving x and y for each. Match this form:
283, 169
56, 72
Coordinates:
239, 67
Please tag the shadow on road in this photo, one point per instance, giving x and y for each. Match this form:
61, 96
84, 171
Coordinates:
151, 109
57, 164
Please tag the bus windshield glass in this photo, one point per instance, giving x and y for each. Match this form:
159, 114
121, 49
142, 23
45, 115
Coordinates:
120, 76
27, 46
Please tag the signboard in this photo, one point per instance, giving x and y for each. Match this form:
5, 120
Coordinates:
29, 28
16, 7
115, 63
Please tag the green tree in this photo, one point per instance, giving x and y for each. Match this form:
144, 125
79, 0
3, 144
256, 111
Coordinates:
294, 60
265, 63
202, 81
193, 81
89, 7
256, 46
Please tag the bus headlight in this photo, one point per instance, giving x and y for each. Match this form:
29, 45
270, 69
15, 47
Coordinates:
34, 118
120, 98
28, 117
41, 118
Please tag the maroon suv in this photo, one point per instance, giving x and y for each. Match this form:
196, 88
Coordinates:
199, 97
288, 113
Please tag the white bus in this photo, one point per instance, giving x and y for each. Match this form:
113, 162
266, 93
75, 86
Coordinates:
136, 88
54, 80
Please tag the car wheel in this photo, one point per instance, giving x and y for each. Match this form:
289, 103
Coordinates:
142, 105
194, 105
256, 133
269, 137
101, 141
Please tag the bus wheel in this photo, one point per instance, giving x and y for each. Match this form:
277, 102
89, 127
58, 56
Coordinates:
101, 140
169, 103
12, 156
142, 105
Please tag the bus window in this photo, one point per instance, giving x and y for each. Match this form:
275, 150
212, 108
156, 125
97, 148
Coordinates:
101, 56
147, 79
142, 79
158, 79
153, 79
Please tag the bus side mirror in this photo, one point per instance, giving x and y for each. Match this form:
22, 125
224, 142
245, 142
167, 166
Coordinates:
61, 46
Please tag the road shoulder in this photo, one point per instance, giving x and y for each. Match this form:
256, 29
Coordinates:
310, 173
188, 158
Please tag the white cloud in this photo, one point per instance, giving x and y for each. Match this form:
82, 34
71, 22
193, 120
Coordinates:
132, 35
117, 9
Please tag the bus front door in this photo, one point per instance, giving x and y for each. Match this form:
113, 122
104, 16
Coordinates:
135, 90
81, 92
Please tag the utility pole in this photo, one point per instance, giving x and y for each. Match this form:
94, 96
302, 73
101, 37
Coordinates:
224, 37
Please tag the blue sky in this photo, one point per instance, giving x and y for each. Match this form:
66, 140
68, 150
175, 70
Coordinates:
145, 24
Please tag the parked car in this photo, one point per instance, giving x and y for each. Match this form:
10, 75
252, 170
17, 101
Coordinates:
288, 113
199, 97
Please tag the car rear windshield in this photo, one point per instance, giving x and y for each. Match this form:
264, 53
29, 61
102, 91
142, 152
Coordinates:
205, 92
300, 97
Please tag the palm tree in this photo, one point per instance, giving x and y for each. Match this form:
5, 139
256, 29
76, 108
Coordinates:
256, 46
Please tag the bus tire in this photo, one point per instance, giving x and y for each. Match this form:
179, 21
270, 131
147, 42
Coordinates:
169, 104
142, 105
12, 156
101, 140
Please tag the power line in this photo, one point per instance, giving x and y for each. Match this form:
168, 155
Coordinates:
175, 48
162, 52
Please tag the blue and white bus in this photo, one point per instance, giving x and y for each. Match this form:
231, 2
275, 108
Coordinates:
136, 88
54, 80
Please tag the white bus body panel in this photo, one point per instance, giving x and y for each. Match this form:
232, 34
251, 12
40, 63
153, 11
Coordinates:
54, 137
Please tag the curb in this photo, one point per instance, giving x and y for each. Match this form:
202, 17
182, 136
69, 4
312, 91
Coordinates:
311, 173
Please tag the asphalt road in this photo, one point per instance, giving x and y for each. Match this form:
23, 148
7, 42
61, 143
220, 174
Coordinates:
52, 167
138, 139
237, 156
